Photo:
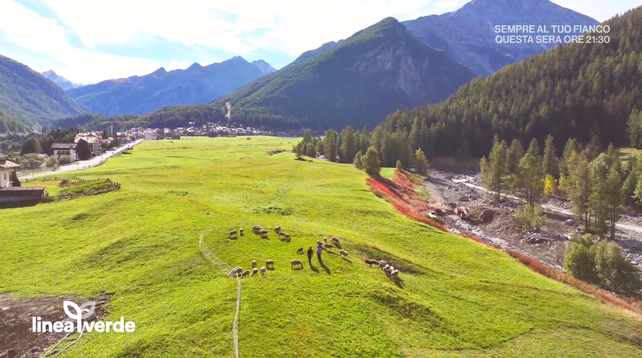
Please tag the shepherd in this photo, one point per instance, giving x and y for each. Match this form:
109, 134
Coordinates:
319, 251
310, 253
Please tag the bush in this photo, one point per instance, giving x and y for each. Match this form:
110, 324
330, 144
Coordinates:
550, 185
531, 217
399, 165
602, 264
358, 161
580, 261
371, 161
52, 161
614, 271
64, 159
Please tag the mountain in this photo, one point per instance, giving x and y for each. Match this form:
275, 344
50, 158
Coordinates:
62, 82
373, 73
9, 124
30, 98
572, 91
143, 94
468, 34
323, 48
265, 67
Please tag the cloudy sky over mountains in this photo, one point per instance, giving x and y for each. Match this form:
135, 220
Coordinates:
89, 41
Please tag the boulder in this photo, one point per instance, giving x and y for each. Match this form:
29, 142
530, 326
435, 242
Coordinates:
486, 216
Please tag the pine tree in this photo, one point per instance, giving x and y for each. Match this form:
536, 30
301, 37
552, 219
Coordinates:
31, 145
580, 186
515, 154
570, 148
614, 200
415, 134
330, 144
310, 151
497, 170
530, 180
593, 149
371, 161
358, 161
421, 163
598, 202
533, 149
634, 128
550, 163
348, 145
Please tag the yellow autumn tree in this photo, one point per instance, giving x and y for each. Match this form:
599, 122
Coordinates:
550, 185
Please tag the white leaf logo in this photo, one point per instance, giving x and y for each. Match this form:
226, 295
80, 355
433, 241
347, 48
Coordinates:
88, 309
67, 305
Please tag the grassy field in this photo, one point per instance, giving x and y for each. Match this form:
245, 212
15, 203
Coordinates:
457, 297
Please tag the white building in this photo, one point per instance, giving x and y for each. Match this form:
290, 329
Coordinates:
60, 149
6, 168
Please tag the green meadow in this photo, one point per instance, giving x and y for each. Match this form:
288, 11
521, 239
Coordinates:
456, 298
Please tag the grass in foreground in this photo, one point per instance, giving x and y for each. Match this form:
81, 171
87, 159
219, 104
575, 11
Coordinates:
457, 298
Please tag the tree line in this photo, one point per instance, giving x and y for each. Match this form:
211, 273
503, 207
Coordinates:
367, 150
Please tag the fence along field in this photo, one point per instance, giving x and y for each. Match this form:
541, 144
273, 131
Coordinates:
455, 297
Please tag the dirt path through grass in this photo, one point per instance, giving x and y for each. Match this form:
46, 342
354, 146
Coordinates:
223, 266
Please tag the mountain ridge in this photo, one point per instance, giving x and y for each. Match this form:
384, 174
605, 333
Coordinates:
467, 34
372, 73
196, 84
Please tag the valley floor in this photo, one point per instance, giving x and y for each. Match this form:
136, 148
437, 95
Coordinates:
139, 246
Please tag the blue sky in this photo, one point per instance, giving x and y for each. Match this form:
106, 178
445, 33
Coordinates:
93, 40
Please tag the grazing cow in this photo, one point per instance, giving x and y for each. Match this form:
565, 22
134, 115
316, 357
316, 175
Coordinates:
254, 271
325, 239
253, 263
394, 274
262, 271
277, 229
256, 228
241, 231
300, 250
232, 234
343, 253
296, 263
281, 233
233, 273
269, 263
287, 237
372, 262
245, 273
239, 270
336, 241
328, 246
263, 233
319, 243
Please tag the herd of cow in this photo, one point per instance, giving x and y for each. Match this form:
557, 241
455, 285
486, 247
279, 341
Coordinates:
388, 269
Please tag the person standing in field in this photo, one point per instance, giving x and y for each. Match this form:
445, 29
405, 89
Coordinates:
319, 251
310, 253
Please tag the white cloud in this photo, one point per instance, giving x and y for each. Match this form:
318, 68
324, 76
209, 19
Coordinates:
256, 26
48, 48
600, 10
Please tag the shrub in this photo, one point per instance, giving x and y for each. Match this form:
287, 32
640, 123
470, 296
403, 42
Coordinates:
550, 185
64, 159
614, 271
358, 161
399, 165
371, 161
531, 217
580, 261
52, 161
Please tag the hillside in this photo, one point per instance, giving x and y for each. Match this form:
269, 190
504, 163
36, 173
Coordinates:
572, 91
62, 82
317, 51
374, 72
30, 98
455, 297
9, 124
144, 94
467, 34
